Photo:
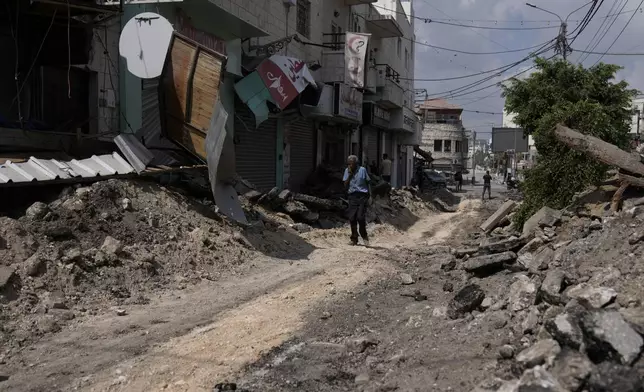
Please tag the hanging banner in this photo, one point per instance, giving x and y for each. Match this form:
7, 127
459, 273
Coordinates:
355, 52
285, 78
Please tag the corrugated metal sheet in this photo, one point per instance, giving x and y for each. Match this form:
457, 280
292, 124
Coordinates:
136, 154
51, 169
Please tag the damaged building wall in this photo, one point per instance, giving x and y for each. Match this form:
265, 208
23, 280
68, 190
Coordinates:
104, 82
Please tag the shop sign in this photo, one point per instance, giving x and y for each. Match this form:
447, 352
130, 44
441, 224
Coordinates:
348, 102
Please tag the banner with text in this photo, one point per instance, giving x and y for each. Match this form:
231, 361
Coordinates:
355, 52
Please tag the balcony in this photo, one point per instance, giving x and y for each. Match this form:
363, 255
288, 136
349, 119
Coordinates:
389, 94
383, 26
358, 2
332, 58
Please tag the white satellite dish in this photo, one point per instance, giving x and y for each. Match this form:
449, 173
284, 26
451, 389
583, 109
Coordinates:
144, 44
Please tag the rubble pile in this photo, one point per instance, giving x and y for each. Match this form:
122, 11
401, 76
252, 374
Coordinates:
307, 211
111, 243
573, 304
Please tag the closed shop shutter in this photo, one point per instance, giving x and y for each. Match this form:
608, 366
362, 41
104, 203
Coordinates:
372, 145
301, 137
255, 149
150, 132
151, 117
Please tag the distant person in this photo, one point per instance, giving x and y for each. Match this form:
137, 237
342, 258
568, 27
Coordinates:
357, 180
386, 168
487, 185
458, 177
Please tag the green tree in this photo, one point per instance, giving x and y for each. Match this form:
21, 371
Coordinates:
586, 99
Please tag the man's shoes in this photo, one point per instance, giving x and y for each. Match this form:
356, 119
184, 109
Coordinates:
365, 242
353, 243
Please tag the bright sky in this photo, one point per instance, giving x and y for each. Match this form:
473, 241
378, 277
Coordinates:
434, 63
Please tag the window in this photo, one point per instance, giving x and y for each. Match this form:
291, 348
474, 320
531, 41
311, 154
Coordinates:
304, 17
399, 47
406, 59
354, 23
438, 146
448, 146
336, 37
458, 146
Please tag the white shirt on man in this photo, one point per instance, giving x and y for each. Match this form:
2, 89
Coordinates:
386, 167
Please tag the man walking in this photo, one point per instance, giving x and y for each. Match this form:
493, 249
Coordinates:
386, 168
358, 182
487, 185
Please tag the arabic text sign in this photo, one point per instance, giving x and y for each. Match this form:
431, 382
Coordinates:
355, 51
279, 85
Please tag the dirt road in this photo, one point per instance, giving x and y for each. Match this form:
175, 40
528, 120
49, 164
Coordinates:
228, 330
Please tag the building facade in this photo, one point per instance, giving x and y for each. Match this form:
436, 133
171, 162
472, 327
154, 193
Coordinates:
444, 135
367, 122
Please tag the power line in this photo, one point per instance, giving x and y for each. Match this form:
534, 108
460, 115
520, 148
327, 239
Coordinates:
495, 21
462, 51
609, 53
579, 60
620, 33
438, 21
605, 32
475, 32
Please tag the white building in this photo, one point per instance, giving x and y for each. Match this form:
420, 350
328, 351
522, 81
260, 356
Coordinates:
637, 125
284, 149
444, 135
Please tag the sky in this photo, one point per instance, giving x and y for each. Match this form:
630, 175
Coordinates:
432, 63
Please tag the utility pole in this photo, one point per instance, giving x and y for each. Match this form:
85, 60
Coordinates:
561, 45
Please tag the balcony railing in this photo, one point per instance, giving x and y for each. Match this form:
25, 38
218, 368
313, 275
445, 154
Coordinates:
333, 41
388, 92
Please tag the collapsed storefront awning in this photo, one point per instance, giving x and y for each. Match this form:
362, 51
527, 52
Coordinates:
278, 80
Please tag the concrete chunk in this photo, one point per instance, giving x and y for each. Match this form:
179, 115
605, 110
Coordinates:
480, 263
542, 352
498, 216
597, 297
503, 246
545, 217
610, 337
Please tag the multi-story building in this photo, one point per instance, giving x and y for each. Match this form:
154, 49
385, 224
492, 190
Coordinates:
444, 135
527, 158
286, 148
637, 117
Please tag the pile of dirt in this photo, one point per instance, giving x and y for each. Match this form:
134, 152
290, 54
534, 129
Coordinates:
555, 307
109, 244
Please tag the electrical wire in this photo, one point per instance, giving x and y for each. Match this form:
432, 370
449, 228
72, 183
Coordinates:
69, 53
462, 51
496, 21
14, 35
605, 32
475, 31
33, 64
600, 28
115, 69
620, 34
438, 21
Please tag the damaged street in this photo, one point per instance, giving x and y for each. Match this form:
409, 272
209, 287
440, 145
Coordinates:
128, 285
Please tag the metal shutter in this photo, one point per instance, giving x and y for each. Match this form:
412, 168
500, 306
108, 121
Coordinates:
372, 145
255, 149
151, 117
301, 137
150, 131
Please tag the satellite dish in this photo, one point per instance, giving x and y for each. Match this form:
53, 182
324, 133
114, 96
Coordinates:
144, 44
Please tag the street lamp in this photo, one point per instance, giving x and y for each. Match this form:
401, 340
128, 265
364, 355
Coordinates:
562, 42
